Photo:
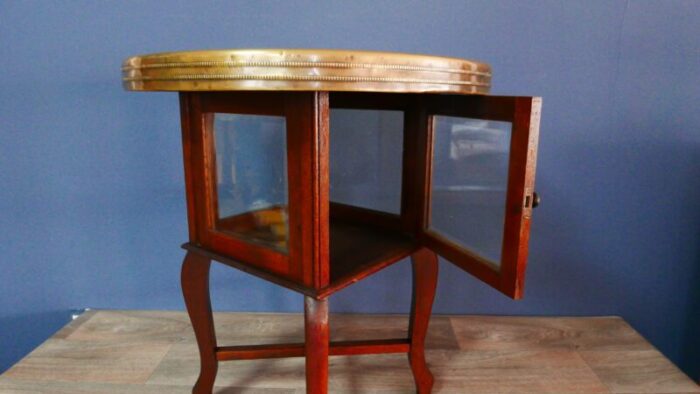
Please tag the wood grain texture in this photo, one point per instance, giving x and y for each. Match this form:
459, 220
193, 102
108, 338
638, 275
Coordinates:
195, 289
345, 327
532, 333
415, 175
252, 328
130, 326
316, 343
637, 371
20, 386
74, 325
425, 273
356, 249
155, 352
188, 144
514, 372
308, 178
91, 361
337, 348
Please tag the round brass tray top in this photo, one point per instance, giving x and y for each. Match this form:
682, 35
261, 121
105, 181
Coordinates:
304, 69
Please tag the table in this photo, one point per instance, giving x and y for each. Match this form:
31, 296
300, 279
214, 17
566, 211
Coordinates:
256, 128
154, 352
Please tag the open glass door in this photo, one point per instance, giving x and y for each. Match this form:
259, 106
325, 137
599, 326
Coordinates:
480, 172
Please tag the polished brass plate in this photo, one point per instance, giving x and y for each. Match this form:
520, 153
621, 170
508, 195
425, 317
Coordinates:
304, 69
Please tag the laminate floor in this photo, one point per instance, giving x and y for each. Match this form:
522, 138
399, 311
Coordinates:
106, 352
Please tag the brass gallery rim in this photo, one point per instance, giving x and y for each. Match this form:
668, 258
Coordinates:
304, 69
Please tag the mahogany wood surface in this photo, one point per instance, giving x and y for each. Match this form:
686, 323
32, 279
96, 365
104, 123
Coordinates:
356, 252
188, 145
367, 100
364, 216
250, 269
308, 261
249, 103
425, 273
415, 178
340, 348
355, 249
317, 346
316, 341
499, 108
306, 116
308, 178
521, 188
523, 112
195, 289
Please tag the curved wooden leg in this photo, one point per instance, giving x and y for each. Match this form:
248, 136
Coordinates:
195, 288
425, 271
316, 345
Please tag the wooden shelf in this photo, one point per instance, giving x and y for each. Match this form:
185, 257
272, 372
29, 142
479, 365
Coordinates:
358, 250
359, 244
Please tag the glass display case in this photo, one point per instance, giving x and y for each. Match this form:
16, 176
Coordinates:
315, 169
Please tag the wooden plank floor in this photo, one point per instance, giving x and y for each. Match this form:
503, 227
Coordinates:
154, 352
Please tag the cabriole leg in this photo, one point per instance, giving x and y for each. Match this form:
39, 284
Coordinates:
195, 288
425, 271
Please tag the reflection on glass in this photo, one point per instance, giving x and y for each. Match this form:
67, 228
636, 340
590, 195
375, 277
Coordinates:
469, 180
251, 178
366, 149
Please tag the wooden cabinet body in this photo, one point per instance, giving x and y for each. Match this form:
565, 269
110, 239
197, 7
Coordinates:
319, 227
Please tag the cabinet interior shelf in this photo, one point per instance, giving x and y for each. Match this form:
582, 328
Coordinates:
361, 249
360, 241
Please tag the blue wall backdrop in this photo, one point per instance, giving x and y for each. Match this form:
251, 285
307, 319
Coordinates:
92, 201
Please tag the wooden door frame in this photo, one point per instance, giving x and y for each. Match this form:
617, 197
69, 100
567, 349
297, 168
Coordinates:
524, 115
306, 115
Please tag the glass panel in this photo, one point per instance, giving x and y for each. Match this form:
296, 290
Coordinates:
469, 182
251, 178
365, 164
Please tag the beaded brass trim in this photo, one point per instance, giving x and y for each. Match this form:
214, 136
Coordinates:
233, 64
320, 78
300, 69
